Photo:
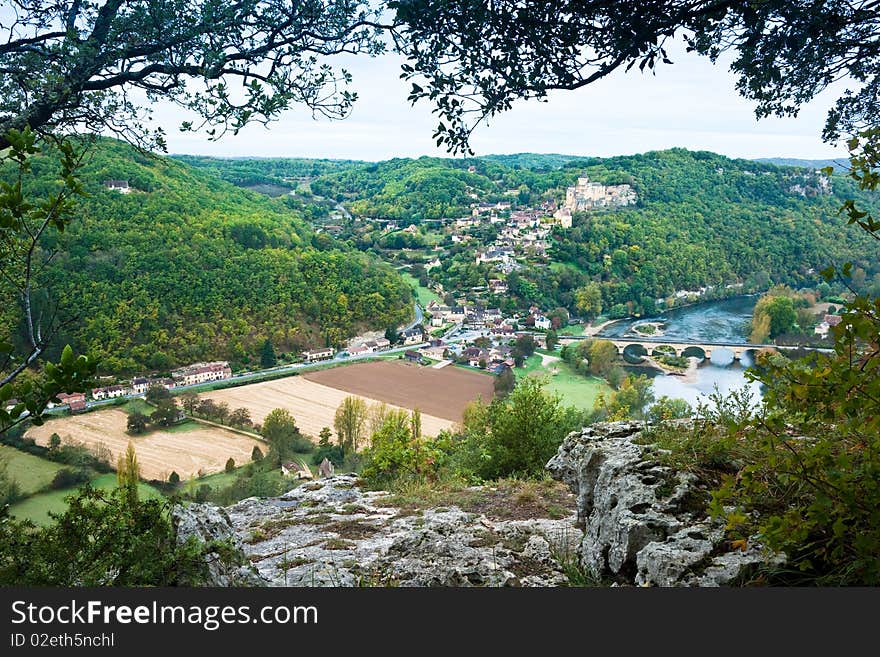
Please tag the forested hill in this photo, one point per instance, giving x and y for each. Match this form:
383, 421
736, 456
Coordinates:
701, 219
839, 164
188, 267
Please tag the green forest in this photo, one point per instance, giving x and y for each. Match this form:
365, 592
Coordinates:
188, 267
702, 221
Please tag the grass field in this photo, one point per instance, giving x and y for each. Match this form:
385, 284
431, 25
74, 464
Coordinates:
138, 406
30, 472
425, 296
574, 389
217, 480
571, 329
37, 507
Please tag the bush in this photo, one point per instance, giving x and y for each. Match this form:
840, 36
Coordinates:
230, 465
516, 435
105, 539
66, 478
332, 453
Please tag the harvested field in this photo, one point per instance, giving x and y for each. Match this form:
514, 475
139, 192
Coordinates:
440, 392
159, 452
314, 405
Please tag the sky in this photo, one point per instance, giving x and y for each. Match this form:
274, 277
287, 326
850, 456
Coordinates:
691, 104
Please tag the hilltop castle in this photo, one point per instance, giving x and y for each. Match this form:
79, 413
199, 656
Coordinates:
586, 195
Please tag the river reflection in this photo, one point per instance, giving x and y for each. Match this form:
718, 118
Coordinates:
717, 321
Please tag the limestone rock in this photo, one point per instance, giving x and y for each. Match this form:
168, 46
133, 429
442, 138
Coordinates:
639, 523
333, 533
211, 524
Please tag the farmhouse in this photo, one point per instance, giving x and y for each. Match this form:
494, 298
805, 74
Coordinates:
76, 401
358, 350
296, 469
313, 355
412, 356
110, 392
414, 335
202, 372
827, 322
140, 385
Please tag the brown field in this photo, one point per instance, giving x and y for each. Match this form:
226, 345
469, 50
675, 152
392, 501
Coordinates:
159, 452
313, 402
443, 393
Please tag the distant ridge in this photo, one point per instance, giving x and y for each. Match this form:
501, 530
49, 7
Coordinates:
839, 165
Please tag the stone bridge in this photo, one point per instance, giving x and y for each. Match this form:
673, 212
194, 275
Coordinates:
642, 346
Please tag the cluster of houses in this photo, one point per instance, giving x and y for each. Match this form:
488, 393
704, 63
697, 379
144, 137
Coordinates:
410, 336
494, 358
523, 234
184, 376
490, 320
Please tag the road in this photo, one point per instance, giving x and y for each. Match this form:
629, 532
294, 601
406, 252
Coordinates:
259, 374
420, 317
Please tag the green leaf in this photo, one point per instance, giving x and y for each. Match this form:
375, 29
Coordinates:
67, 356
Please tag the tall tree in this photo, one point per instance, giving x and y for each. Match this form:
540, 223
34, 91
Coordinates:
166, 413
137, 423
128, 474
588, 300
267, 355
350, 423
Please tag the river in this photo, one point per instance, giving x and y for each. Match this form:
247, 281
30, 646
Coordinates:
714, 321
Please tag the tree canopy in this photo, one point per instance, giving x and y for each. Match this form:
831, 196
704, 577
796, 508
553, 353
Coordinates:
473, 59
75, 64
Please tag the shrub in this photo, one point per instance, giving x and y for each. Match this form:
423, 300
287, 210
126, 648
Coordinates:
66, 478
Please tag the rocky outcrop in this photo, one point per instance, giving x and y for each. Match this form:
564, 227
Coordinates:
333, 533
643, 522
211, 525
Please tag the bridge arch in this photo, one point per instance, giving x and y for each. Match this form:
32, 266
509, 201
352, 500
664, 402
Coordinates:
695, 352
665, 350
634, 353
724, 355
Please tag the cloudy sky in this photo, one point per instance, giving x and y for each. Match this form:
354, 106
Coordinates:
692, 104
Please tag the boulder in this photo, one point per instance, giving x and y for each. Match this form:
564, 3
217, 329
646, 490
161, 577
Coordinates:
640, 525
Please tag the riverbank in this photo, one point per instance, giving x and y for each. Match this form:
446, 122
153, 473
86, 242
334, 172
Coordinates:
688, 375
668, 316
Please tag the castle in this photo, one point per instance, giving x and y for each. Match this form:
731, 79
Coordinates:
586, 195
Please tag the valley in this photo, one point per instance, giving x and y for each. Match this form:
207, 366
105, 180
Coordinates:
500, 258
